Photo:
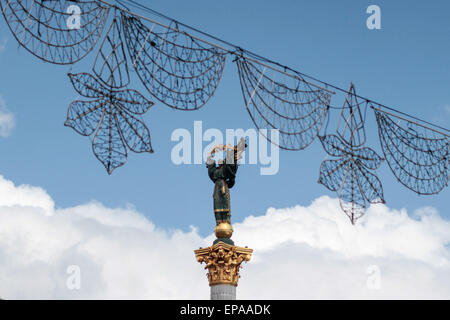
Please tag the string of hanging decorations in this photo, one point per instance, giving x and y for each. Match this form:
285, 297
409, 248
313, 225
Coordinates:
181, 67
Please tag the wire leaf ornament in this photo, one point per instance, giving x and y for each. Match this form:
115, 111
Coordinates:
351, 123
112, 117
59, 32
418, 156
349, 175
174, 67
111, 65
280, 101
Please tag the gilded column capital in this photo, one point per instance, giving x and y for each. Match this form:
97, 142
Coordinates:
223, 262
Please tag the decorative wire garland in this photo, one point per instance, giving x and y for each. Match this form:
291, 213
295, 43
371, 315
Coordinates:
183, 71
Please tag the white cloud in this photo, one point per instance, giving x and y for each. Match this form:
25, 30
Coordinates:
301, 252
7, 119
24, 196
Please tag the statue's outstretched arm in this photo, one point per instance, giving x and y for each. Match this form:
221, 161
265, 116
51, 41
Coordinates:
210, 161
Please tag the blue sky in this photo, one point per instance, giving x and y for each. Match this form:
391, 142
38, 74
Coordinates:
405, 65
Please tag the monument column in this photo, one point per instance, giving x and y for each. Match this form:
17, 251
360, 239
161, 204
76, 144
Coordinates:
223, 261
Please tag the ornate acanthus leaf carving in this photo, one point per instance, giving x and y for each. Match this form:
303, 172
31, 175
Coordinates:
223, 262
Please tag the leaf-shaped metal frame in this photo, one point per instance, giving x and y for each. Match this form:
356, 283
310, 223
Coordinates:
417, 155
350, 177
110, 65
277, 100
350, 125
112, 117
176, 69
44, 27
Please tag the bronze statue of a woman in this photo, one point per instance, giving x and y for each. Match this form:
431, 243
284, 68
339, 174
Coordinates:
224, 176
223, 259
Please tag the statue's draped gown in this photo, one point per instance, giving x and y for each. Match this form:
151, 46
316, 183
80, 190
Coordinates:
223, 177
